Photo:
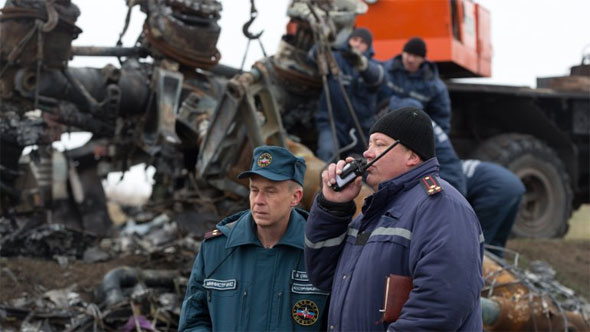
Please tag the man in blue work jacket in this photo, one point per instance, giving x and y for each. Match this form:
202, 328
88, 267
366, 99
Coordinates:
360, 77
450, 164
411, 76
415, 226
250, 273
495, 194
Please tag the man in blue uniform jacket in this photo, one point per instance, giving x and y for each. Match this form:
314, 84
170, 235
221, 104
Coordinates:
450, 164
495, 194
415, 225
361, 77
250, 273
411, 76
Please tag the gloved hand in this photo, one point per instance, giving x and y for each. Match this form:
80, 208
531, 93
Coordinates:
355, 59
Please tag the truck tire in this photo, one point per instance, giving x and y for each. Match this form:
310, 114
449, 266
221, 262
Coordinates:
547, 204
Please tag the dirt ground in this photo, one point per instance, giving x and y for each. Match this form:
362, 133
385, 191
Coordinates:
570, 257
32, 277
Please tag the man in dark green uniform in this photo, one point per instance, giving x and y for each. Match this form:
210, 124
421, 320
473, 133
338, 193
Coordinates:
250, 272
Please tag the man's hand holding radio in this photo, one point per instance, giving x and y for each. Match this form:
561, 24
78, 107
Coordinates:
345, 194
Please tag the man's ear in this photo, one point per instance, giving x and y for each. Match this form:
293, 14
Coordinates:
413, 159
296, 196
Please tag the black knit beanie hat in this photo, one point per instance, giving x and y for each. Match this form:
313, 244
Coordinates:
412, 127
416, 46
364, 33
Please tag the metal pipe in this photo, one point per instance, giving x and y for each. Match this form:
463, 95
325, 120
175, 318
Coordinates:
124, 276
223, 70
490, 311
136, 52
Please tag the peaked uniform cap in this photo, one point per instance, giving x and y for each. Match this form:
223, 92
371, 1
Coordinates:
276, 164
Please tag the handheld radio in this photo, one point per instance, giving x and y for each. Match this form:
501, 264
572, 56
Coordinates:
356, 168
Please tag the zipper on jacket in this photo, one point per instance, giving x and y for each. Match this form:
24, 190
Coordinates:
272, 288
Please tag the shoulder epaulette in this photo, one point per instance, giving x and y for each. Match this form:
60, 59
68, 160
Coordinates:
431, 185
212, 234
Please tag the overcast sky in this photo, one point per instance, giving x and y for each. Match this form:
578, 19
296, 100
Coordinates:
530, 38
534, 38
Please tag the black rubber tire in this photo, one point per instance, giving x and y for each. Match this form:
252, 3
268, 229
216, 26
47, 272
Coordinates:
547, 205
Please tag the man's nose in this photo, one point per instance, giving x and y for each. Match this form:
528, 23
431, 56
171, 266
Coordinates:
259, 198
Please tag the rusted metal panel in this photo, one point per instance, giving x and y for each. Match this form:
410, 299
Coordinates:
20, 32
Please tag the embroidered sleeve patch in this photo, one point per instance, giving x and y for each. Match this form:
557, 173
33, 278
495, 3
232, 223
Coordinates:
220, 284
305, 312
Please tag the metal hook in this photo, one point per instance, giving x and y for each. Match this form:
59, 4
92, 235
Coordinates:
52, 16
253, 15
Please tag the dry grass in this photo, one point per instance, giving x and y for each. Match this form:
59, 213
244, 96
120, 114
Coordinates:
580, 224
569, 256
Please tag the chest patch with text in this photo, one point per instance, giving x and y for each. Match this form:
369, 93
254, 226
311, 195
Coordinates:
220, 284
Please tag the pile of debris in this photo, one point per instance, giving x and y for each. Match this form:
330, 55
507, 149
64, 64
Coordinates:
145, 293
128, 298
517, 299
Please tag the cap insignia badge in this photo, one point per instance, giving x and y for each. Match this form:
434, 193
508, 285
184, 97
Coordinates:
264, 160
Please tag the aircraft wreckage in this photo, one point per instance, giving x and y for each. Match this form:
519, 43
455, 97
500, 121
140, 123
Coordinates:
171, 105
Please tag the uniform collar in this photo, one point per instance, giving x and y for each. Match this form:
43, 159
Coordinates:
427, 70
244, 231
405, 181
409, 178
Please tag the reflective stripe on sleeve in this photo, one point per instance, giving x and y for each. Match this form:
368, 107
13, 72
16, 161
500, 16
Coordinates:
397, 231
441, 136
353, 232
469, 167
333, 242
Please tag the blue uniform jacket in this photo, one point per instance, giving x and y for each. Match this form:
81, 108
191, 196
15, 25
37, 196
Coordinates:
237, 284
450, 165
436, 239
491, 185
424, 86
495, 194
361, 88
